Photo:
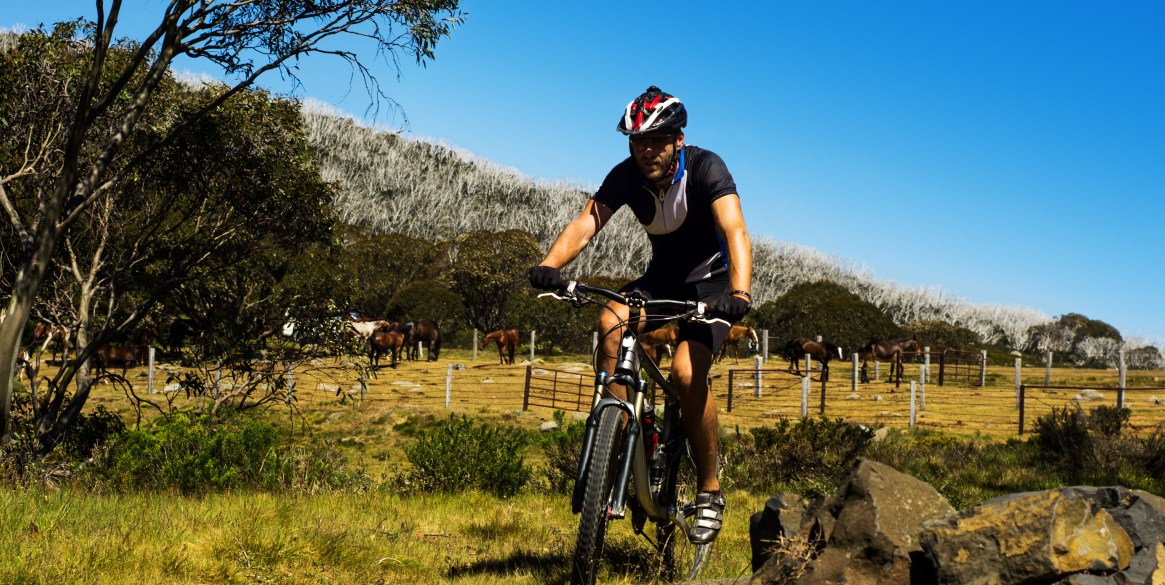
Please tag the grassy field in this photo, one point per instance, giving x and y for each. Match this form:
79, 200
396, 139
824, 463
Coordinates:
378, 536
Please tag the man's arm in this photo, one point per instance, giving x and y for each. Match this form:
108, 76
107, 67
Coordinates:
577, 234
730, 222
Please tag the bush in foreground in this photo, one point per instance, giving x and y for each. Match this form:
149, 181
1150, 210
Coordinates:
459, 455
202, 454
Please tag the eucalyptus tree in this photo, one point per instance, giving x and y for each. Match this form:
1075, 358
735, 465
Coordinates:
487, 270
67, 122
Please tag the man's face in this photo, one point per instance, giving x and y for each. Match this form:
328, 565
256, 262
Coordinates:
653, 153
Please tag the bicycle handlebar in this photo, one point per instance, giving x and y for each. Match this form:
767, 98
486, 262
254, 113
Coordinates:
693, 310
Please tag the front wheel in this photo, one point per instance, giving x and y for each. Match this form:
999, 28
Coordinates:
601, 475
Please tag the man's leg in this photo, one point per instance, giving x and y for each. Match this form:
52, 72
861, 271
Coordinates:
689, 373
698, 407
610, 332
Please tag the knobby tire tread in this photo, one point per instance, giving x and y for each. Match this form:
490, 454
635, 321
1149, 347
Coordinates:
600, 477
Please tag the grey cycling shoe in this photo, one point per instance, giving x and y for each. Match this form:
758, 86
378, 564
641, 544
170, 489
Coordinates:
709, 518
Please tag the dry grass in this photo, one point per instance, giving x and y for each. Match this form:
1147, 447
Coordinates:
378, 536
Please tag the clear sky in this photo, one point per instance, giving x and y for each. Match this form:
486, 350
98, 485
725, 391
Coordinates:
1005, 152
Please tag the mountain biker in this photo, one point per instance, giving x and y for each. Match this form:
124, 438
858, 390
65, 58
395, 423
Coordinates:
686, 200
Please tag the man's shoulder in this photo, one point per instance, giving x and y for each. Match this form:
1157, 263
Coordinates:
696, 154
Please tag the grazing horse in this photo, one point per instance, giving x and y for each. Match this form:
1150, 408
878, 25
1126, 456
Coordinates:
365, 327
384, 341
128, 356
45, 334
735, 334
822, 351
507, 340
892, 350
664, 338
426, 333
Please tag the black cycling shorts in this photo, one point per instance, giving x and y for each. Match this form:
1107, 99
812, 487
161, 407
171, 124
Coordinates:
710, 335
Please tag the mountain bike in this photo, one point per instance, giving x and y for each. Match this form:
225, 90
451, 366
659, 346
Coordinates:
631, 460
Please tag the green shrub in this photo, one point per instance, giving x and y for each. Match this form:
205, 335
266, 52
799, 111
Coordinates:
562, 450
1063, 438
458, 455
203, 454
90, 431
810, 456
939, 335
1094, 448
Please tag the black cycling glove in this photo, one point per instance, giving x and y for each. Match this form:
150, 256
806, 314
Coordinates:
547, 278
729, 306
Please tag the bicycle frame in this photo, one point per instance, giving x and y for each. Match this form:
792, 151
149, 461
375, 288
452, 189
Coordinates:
627, 373
614, 451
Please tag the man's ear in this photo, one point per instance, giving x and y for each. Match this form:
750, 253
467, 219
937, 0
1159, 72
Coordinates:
680, 139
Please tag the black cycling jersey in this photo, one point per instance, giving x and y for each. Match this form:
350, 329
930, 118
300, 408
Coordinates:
685, 245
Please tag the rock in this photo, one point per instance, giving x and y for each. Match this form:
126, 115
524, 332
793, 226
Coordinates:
1088, 395
1034, 537
548, 426
870, 527
1140, 513
780, 519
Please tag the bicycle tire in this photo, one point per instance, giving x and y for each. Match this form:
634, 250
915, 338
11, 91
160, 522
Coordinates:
679, 558
601, 475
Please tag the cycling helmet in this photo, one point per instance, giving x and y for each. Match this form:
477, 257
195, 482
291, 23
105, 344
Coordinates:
653, 111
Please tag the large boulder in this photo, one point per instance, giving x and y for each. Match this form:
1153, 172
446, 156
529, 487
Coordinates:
882, 526
1037, 537
866, 532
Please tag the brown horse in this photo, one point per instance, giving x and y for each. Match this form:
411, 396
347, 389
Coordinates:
892, 350
384, 341
822, 351
426, 333
44, 335
735, 334
653, 343
507, 340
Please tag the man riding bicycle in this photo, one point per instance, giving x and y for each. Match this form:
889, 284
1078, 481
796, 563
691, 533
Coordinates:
686, 200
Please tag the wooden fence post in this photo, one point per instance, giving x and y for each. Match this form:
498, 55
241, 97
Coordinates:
924, 377
1048, 369
475, 344
805, 397
290, 375
764, 344
942, 366
757, 378
1120, 391
526, 394
150, 376
448, 386
532, 338
913, 409
853, 384
1018, 381
982, 368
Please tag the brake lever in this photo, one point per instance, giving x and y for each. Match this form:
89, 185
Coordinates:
567, 294
700, 314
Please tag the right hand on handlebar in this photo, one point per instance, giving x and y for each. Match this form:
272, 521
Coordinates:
547, 278
730, 307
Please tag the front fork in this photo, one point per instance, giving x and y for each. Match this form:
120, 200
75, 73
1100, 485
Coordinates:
631, 442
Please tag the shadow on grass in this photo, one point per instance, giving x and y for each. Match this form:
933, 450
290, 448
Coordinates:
634, 560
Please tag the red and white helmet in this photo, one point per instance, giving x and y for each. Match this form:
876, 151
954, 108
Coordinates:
653, 111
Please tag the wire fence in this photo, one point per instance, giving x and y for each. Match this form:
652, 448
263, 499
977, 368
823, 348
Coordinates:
464, 381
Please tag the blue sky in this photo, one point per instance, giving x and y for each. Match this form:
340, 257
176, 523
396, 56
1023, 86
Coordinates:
1008, 153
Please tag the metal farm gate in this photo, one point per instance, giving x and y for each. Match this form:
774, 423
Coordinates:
961, 368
